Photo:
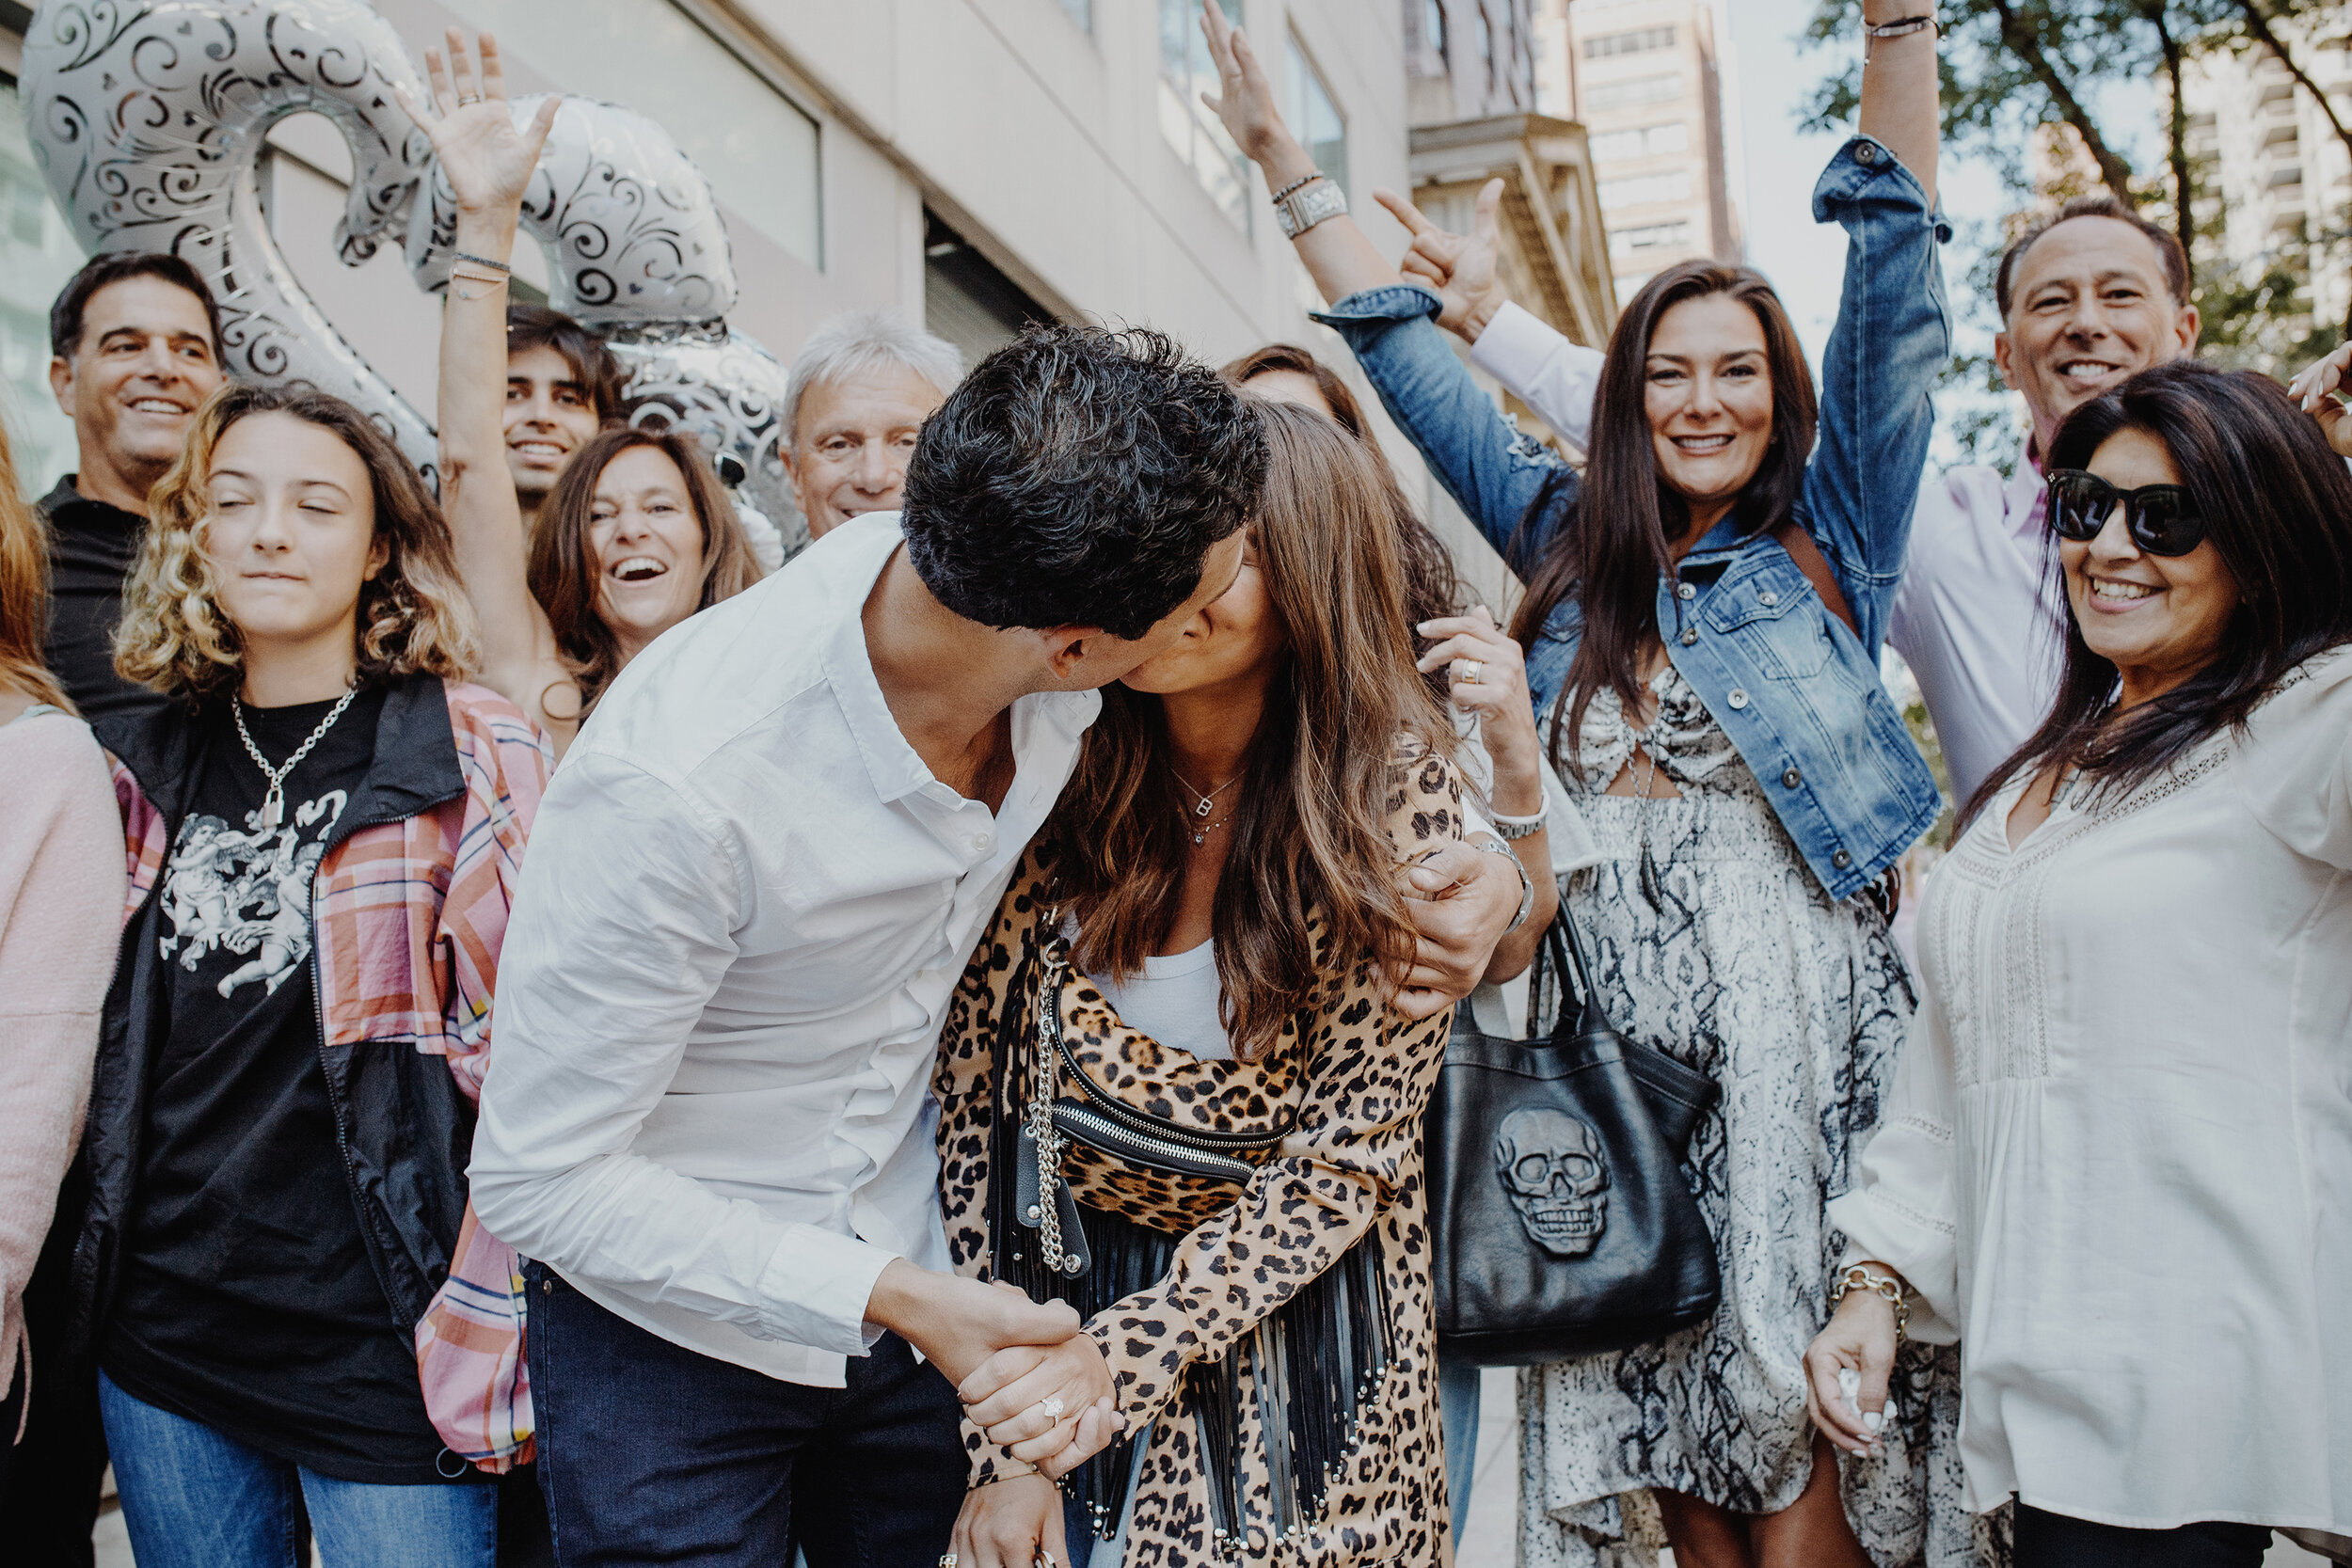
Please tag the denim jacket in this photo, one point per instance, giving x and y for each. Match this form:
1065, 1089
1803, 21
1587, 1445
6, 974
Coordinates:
1797, 692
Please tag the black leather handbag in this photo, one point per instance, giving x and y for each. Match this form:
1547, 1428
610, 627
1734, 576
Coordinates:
1561, 1222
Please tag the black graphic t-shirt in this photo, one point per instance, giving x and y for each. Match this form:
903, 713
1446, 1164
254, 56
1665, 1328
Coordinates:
247, 1300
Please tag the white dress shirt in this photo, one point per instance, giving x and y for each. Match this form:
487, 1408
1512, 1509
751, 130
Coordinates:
1980, 613
744, 907
2117, 1160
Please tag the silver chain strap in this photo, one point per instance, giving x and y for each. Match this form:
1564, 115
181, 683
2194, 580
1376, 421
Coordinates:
1043, 1132
274, 802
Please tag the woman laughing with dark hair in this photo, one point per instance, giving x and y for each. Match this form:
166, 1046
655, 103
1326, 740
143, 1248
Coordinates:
1704, 608
2114, 1162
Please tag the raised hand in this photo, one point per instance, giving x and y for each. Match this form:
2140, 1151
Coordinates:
1246, 100
2320, 388
486, 157
1460, 268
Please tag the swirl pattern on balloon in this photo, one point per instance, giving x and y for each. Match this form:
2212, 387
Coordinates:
149, 121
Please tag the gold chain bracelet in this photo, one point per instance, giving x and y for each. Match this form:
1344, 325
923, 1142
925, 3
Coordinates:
1886, 1287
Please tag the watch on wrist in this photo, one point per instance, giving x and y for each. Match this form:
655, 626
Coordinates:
1513, 829
1306, 207
1527, 884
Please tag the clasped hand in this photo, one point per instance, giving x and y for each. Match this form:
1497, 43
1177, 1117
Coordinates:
1049, 1406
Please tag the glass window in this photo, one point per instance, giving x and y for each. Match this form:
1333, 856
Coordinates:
1635, 93
1081, 13
38, 253
1640, 41
755, 147
1186, 124
1646, 142
1626, 241
1644, 189
1315, 119
1433, 25
1487, 44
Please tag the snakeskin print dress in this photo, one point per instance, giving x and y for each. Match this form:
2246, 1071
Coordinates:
1713, 942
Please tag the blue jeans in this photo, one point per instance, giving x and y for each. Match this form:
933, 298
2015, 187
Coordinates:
650, 1452
194, 1498
1457, 1420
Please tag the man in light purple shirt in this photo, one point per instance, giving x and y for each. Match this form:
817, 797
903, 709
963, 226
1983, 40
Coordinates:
2089, 296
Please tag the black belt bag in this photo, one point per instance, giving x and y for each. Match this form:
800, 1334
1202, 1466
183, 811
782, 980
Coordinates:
1561, 1225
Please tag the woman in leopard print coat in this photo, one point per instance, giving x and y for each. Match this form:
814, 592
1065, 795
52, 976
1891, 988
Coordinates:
1308, 1291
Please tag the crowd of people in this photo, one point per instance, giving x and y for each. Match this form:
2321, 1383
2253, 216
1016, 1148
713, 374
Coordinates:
965, 1002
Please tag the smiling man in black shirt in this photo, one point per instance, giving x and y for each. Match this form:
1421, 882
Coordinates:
135, 342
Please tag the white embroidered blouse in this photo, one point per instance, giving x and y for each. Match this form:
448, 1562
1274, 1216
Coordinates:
2118, 1158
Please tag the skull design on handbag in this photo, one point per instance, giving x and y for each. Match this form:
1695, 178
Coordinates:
1552, 1165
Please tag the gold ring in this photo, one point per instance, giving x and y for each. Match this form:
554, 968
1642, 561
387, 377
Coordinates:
1474, 671
946, 1560
467, 98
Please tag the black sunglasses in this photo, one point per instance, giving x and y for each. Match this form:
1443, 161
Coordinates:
2163, 519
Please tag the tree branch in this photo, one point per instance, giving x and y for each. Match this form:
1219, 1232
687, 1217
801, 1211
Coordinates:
2184, 193
2018, 32
2259, 25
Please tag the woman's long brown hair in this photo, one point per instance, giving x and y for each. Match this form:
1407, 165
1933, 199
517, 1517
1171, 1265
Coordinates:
24, 591
1610, 547
1310, 885
563, 570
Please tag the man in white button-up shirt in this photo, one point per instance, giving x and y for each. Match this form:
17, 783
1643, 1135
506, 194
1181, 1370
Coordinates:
2088, 298
751, 888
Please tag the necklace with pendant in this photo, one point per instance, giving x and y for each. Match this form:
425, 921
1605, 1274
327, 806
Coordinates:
1203, 804
274, 802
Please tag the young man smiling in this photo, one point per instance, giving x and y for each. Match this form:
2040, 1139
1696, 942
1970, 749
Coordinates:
134, 339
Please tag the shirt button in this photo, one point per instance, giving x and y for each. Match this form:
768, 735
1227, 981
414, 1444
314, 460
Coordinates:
1841, 860
1690, 638
1684, 591
980, 842
1768, 598
1738, 698
1792, 778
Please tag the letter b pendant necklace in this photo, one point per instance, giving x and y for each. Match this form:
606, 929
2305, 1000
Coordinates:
1200, 825
274, 802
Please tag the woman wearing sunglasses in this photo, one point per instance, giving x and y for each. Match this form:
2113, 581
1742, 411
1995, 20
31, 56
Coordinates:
2118, 1159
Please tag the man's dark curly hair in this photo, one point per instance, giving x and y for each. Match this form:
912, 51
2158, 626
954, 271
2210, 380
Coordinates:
1077, 477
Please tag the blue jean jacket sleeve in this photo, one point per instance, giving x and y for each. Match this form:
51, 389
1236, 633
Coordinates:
1490, 469
1891, 340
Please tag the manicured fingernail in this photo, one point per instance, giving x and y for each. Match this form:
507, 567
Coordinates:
1873, 1420
1889, 1411
1423, 627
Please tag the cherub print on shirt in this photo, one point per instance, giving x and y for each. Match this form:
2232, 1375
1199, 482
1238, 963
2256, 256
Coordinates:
247, 893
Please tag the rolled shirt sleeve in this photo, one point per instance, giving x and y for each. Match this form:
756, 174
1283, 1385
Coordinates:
621, 935
1537, 364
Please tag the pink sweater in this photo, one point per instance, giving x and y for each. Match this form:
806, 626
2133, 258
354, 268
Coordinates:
61, 886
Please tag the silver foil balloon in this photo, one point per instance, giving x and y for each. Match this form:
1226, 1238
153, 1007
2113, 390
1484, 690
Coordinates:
639, 253
149, 120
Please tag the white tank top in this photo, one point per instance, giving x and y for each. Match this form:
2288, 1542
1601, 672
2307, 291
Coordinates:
1175, 1002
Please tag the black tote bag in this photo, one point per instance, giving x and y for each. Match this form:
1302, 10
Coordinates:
1561, 1222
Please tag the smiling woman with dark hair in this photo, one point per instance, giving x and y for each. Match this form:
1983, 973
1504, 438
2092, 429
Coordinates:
2114, 1164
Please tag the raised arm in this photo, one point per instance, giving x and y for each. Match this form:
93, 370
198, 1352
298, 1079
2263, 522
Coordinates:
488, 160
1893, 335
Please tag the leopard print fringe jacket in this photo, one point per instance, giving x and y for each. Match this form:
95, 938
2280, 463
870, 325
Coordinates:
1352, 1166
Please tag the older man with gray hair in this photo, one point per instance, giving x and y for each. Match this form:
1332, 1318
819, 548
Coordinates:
863, 386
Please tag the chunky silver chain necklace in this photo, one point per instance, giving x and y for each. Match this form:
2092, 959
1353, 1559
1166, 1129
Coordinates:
274, 803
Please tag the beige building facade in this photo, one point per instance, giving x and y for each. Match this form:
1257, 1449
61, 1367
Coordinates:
2277, 181
1650, 81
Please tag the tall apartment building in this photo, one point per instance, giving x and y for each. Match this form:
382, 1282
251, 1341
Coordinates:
1645, 78
2276, 180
